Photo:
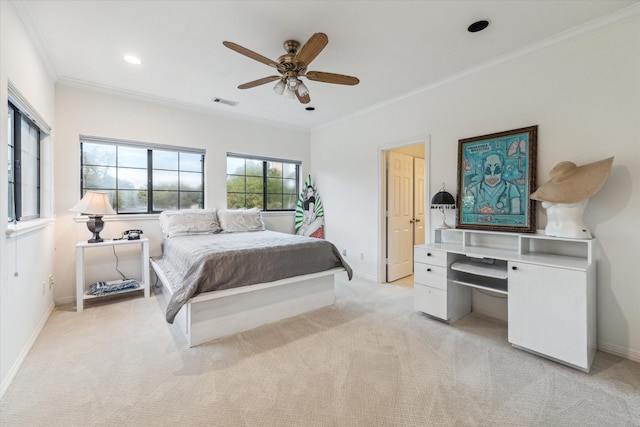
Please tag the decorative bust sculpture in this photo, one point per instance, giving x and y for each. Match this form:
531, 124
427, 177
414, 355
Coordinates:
566, 194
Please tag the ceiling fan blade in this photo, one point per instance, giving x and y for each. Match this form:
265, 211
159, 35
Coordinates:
311, 48
339, 79
259, 82
251, 54
303, 99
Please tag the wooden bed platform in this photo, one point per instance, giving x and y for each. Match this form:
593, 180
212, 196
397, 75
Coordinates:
217, 314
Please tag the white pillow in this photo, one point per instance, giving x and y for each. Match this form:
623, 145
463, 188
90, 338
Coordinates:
233, 220
189, 221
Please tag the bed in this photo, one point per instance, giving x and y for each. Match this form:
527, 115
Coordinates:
223, 273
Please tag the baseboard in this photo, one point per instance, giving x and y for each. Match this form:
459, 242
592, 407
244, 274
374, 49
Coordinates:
617, 350
65, 301
23, 354
365, 276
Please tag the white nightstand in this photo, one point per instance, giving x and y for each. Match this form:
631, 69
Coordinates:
82, 246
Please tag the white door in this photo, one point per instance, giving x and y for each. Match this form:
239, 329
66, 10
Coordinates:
418, 204
399, 216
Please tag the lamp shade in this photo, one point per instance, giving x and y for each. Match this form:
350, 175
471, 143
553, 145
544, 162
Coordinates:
94, 203
443, 199
289, 93
302, 90
279, 87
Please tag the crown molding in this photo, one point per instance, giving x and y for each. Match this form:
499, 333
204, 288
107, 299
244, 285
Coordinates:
24, 13
167, 102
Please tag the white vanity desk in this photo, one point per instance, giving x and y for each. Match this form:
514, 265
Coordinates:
549, 282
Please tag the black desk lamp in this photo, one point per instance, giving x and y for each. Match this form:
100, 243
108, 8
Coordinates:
443, 200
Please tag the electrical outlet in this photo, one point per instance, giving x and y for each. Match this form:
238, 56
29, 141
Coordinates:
361, 257
44, 288
51, 281
344, 252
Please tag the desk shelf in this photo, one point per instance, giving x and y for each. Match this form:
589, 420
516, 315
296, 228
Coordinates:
538, 247
487, 285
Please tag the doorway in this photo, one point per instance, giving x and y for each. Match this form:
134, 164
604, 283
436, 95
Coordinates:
405, 216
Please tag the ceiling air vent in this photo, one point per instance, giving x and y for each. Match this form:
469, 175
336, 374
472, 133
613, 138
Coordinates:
225, 101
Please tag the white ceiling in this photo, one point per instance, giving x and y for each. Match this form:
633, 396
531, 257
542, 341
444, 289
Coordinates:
394, 47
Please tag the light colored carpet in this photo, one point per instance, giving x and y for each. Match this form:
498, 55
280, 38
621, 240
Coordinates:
370, 360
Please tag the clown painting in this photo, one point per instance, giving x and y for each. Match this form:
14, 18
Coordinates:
495, 179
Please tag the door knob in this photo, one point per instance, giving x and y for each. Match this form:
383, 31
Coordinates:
412, 221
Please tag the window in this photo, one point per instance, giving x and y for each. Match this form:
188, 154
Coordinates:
23, 166
143, 178
267, 184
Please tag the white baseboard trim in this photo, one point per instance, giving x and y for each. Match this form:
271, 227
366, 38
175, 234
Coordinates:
617, 350
23, 354
365, 276
65, 301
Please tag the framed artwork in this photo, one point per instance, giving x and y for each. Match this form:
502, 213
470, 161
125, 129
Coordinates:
496, 174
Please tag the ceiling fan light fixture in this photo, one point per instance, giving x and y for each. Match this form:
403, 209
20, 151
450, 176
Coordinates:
289, 93
292, 66
293, 82
302, 89
279, 87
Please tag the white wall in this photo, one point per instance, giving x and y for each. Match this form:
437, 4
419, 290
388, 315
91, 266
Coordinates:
25, 303
97, 113
584, 94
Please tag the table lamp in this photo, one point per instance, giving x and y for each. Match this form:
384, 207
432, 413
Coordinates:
95, 204
443, 200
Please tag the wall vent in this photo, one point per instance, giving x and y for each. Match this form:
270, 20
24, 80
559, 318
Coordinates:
225, 101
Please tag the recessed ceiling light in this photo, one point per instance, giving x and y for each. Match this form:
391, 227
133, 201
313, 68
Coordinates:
132, 59
478, 26
310, 108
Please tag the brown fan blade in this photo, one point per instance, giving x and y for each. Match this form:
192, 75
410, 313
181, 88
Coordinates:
259, 82
303, 99
339, 79
311, 48
251, 54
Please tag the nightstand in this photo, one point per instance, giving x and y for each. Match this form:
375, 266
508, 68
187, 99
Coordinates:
81, 295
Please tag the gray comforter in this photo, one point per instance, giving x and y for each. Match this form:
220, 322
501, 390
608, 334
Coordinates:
210, 262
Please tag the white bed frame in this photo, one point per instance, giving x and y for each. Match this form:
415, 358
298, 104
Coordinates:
212, 315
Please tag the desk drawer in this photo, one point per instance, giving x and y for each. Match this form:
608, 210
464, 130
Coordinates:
431, 275
430, 256
430, 300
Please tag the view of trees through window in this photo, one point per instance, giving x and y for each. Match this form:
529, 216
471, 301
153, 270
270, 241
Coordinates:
143, 180
269, 185
23, 167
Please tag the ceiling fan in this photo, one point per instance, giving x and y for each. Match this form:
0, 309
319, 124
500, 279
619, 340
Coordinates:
292, 66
